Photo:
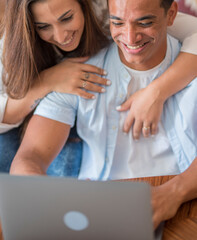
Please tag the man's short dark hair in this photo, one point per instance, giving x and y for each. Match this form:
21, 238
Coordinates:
166, 4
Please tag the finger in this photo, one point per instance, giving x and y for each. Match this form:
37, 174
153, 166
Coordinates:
92, 87
154, 128
84, 94
156, 221
146, 129
128, 122
95, 79
92, 69
137, 127
79, 59
125, 106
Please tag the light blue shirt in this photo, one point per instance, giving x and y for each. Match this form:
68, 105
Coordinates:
98, 119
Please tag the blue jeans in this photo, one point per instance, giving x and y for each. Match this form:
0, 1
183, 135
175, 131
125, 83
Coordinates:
66, 164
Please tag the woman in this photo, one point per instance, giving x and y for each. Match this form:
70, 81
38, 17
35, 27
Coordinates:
55, 69
38, 89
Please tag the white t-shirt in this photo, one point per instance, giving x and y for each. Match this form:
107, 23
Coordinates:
184, 29
143, 158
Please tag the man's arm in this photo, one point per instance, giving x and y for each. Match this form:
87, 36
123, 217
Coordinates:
167, 198
43, 140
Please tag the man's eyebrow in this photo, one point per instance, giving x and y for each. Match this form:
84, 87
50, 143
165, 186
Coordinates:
146, 17
59, 19
114, 17
138, 19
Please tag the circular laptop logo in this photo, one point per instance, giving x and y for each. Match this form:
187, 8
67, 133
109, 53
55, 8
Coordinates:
76, 221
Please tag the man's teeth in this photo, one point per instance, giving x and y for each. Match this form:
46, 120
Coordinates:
67, 42
135, 47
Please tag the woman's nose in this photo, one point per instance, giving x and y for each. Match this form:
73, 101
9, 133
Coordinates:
59, 35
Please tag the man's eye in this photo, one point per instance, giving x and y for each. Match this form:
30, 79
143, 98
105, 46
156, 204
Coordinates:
116, 23
67, 18
147, 24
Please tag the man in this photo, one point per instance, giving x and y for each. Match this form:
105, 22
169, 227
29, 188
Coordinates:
141, 52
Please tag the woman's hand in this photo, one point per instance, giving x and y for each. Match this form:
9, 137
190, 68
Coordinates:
145, 108
74, 77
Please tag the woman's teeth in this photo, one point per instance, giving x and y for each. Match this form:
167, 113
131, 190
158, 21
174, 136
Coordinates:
68, 41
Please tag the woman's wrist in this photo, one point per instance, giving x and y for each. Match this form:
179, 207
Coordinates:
158, 92
46, 81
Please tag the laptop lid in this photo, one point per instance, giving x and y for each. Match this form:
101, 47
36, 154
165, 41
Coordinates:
59, 208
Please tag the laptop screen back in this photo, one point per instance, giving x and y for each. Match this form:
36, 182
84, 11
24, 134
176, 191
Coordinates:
59, 208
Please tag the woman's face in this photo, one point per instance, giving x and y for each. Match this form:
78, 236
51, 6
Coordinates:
59, 22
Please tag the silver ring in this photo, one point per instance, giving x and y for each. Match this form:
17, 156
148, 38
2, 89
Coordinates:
87, 75
146, 128
84, 84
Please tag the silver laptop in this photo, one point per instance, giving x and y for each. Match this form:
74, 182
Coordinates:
58, 208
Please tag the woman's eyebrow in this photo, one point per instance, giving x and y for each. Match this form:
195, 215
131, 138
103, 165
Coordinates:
63, 15
59, 19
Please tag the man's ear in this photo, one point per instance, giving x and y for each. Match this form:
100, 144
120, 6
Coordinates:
172, 12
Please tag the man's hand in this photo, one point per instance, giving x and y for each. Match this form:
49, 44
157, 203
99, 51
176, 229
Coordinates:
1, 233
165, 202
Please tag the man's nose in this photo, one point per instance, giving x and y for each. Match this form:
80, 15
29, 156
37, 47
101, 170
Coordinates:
59, 35
132, 35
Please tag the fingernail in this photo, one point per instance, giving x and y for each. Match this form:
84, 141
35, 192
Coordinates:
103, 90
124, 133
105, 72
93, 97
108, 82
152, 135
118, 108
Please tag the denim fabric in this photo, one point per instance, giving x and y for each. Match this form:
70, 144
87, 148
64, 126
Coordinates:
9, 143
66, 164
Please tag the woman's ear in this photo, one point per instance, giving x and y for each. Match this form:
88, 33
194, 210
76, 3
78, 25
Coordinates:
172, 12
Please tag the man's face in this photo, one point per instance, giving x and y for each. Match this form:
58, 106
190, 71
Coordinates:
139, 28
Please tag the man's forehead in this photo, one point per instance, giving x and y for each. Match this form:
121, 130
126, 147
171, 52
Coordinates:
127, 7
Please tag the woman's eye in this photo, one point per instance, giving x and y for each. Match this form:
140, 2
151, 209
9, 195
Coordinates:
45, 27
67, 18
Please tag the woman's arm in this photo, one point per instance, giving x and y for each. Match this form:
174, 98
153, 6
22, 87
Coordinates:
184, 29
146, 105
68, 76
43, 140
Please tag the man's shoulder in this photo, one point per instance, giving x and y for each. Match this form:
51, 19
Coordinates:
99, 59
174, 45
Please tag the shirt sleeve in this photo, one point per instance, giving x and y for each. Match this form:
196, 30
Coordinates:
3, 126
60, 107
184, 29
